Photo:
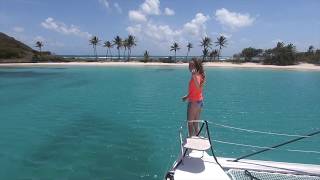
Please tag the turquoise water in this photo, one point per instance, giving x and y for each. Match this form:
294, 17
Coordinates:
122, 122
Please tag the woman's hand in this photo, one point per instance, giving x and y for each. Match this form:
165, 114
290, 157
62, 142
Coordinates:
184, 98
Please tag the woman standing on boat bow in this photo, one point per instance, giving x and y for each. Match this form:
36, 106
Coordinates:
194, 96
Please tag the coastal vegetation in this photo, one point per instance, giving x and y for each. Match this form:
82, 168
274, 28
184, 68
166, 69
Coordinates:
118, 42
146, 56
206, 43
213, 54
282, 54
108, 45
131, 40
221, 43
189, 46
175, 47
94, 41
39, 45
127, 43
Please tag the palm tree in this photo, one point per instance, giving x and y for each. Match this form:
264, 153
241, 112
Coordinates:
175, 47
146, 56
221, 42
213, 54
291, 48
205, 53
118, 41
189, 46
94, 41
39, 45
206, 44
125, 45
108, 45
131, 43
280, 45
310, 49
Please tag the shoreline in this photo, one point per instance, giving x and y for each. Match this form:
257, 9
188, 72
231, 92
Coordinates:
301, 66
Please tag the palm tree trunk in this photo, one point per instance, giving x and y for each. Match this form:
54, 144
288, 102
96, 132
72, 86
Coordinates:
203, 53
110, 54
219, 53
40, 53
95, 49
175, 56
129, 54
118, 53
187, 56
94, 53
124, 54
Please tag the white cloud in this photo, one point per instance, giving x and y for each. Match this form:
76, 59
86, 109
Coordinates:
60, 27
148, 8
151, 7
137, 16
153, 32
118, 8
18, 29
232, 19
164, 34
134, 30
105, 3
196, 26
169, 12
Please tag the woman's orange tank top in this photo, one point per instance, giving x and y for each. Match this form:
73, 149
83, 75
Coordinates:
195, 93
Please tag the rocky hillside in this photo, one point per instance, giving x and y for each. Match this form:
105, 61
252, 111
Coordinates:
12, 50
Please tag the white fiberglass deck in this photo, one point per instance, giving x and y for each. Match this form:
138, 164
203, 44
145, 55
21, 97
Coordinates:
271, 166
199, 165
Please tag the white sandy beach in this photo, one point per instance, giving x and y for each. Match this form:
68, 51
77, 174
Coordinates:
302, 66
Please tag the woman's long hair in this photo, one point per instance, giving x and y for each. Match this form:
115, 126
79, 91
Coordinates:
199, 68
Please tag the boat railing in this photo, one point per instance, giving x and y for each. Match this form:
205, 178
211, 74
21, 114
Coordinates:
266, 148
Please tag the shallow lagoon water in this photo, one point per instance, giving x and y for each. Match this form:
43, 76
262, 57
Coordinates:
122, 122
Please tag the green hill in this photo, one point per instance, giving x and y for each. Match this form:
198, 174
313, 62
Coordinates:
12, 50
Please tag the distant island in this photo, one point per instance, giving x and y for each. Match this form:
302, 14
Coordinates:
14, 51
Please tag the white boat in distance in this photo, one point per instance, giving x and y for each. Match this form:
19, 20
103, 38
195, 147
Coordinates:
195, 163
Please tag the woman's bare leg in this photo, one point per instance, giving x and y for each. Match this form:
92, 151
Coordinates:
196, 125
192, 113
189, 118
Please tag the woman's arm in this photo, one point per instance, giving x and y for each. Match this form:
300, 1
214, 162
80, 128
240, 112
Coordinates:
184, 98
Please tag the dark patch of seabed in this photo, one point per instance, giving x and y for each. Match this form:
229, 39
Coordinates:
90, 148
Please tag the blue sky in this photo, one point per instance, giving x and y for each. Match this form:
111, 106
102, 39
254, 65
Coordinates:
65, 25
